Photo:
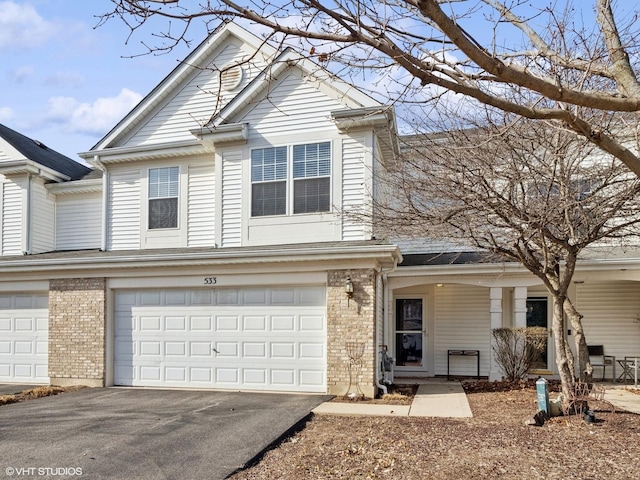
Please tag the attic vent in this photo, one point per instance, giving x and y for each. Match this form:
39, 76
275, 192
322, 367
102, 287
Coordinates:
231, 77
40, 144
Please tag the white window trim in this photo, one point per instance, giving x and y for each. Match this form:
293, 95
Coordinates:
177, 197
290, 180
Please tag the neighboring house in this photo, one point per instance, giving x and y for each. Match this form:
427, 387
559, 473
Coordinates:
211, 246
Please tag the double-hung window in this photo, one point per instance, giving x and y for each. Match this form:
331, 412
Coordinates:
163, 197
269, 181
311, 177
276, 191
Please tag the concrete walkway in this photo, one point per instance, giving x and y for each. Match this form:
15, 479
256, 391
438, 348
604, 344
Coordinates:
435, 398
623, 398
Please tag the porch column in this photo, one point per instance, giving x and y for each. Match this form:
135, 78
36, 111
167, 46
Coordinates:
495, 310
520, 307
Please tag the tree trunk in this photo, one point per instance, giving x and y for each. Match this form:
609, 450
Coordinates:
580, 341
564, 356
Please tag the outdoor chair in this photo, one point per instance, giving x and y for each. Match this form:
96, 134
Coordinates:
597, 358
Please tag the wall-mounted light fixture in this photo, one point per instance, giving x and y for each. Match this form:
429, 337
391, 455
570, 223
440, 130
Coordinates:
348, 288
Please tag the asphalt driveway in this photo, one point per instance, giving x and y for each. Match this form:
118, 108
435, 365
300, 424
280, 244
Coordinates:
107, 433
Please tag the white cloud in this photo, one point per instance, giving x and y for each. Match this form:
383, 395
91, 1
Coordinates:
95, 118
64, 79
21, 74
5, 114
21, 26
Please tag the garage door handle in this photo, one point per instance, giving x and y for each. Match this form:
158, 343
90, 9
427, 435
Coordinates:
213, 349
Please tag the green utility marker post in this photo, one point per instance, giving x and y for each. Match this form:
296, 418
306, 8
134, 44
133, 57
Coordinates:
542, 390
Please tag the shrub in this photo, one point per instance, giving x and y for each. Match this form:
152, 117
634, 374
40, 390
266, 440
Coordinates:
517, 349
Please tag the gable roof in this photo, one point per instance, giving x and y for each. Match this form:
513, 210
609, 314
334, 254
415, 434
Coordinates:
175, 80
286, 60
39, 153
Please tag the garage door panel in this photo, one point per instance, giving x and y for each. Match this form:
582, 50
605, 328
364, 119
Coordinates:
283, 377
311, 351
175, 324
227, 323
150, 324
228, 375
24, 338
247, 338
255, 377
200, 349
150, 373
311, 378
311, 323
254, 350
227, 349
283, 350
199, 323
175, 349
255, 323
150, 349
283, 323
23, 371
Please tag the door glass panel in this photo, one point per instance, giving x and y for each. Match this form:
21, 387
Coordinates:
537, 317
409, 332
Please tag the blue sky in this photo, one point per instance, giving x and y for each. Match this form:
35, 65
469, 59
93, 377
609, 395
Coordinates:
66, 83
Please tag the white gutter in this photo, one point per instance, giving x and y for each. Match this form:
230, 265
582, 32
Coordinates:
215, 257
28, 221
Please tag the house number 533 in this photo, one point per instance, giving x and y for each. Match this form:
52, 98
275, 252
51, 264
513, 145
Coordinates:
210, 280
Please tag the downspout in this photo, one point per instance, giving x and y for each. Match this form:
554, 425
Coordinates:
105, 192
28, 222
384, 275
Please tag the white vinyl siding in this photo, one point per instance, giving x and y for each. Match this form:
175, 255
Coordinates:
611, 316
43, 219
353, 186
194, 104
24, 338
78, 221
231, 198
294, 107
201, 208
253, 338
462, 321
124, 210
12, 211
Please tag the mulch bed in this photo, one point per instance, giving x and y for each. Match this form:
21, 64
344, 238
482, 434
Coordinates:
495, 443
396, 395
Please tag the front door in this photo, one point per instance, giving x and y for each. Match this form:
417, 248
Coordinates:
538, 316
410, 334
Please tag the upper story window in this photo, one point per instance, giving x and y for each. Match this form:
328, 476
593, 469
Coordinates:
163, 197
269, 181
309, 185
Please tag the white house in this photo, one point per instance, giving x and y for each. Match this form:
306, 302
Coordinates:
209, 246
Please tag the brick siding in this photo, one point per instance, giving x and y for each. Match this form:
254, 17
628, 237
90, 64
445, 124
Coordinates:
350, 320
77, 331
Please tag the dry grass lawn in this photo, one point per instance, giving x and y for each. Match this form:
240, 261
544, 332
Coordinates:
44, 391
495, 443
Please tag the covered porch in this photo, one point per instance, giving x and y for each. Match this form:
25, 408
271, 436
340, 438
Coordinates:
438, 316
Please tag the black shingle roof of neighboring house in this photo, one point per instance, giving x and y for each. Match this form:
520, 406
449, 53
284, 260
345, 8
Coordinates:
39, 153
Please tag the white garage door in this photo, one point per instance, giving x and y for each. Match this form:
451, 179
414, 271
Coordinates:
252, 339
24, 339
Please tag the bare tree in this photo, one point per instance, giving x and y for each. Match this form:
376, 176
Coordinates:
522, 191
559, 62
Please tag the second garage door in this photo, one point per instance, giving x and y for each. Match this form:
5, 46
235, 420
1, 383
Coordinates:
253, 339
24, 341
